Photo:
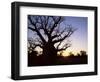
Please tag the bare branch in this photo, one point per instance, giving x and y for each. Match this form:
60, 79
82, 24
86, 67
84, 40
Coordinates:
36, 29
67, 45
33, 44
44, 25
70, 31
58, 34
55, 23
59, 45
29, 18
31, 29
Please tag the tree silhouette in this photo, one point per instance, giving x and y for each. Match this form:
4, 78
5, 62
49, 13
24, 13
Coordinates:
83, 53
50, 34
71, 54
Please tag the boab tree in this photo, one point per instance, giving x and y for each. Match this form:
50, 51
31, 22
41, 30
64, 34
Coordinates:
50, 34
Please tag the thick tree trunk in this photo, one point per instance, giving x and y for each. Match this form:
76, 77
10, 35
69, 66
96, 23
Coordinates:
50, 53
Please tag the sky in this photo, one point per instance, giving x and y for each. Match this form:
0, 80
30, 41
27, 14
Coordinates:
79, 38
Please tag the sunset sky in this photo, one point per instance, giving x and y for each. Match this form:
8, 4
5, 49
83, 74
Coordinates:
79, 37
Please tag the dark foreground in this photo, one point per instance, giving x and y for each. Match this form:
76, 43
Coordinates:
34, 60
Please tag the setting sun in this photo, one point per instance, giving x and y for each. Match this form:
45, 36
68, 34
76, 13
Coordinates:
66, 53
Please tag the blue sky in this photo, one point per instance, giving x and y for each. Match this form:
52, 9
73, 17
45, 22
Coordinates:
80, 37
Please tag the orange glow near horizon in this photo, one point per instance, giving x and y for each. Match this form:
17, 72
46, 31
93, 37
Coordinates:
65, 53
